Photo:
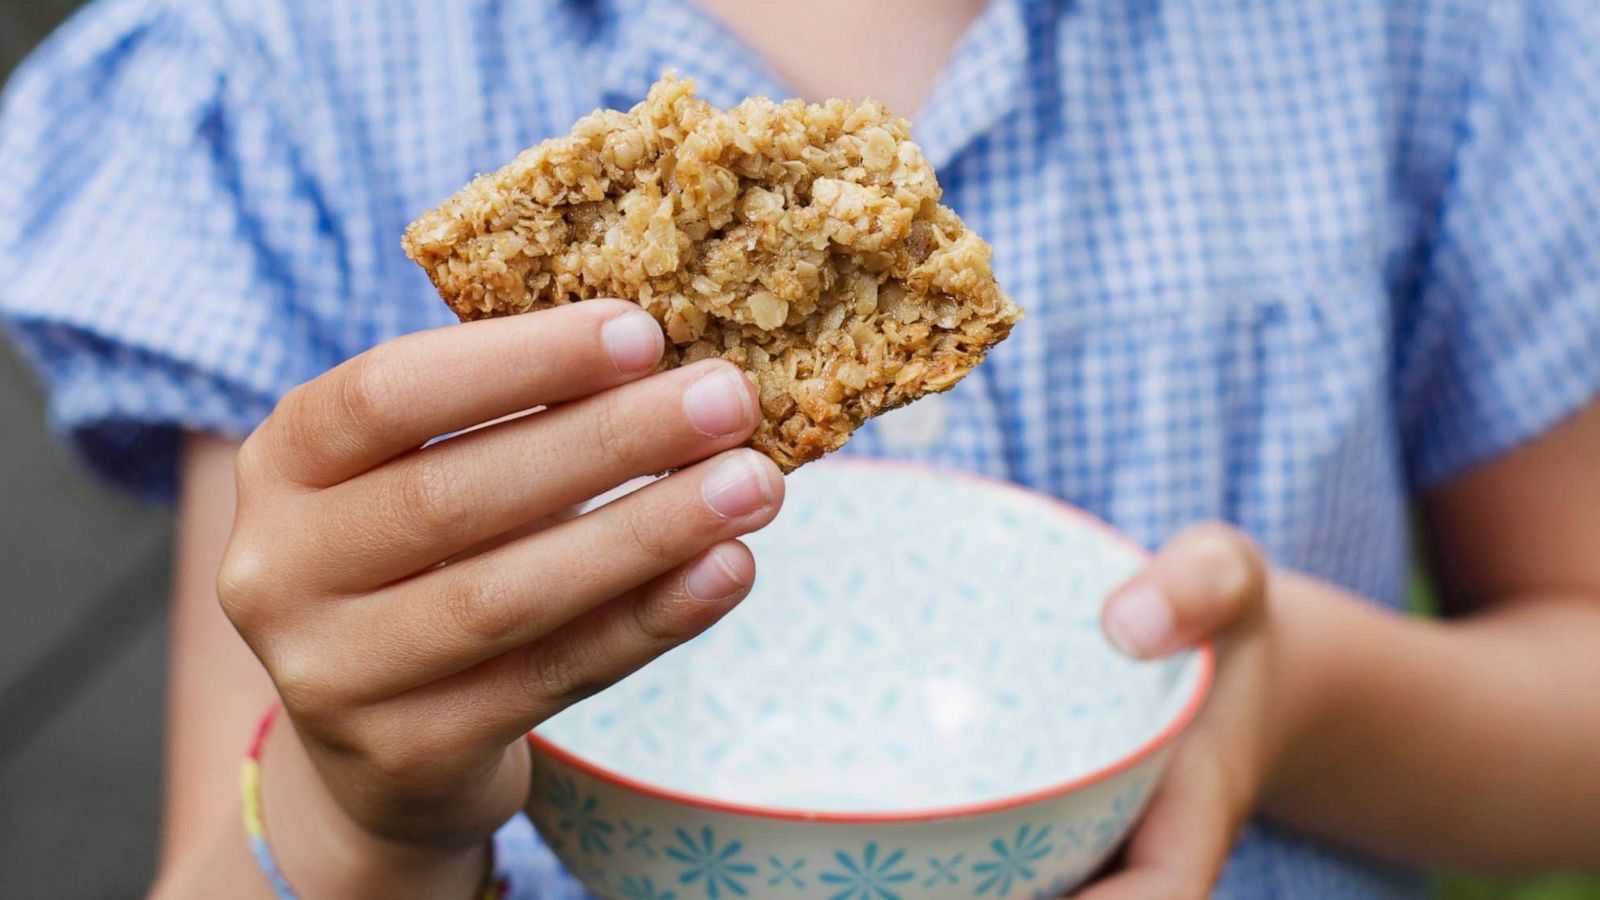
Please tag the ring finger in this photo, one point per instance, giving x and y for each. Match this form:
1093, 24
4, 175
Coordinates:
436, 502
457, 616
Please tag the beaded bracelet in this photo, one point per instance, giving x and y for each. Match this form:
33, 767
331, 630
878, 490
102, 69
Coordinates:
255, 828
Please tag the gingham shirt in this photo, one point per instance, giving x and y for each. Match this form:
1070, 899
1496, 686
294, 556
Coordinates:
1285, 263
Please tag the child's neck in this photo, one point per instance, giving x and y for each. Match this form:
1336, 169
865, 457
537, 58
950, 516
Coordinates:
891, 50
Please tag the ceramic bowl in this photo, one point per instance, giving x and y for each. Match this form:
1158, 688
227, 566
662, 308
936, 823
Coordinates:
915, 702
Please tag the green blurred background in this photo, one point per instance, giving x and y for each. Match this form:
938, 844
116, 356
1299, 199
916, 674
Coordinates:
82, 645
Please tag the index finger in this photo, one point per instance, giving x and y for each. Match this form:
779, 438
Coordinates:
398, 396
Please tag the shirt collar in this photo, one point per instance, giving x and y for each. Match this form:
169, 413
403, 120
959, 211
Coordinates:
982, 84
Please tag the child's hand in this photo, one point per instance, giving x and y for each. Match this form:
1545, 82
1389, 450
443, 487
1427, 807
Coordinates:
1208, 583
419, 609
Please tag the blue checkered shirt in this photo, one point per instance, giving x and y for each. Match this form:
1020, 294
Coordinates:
1286, 263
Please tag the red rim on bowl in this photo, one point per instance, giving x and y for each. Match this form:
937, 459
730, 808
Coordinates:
1191, 707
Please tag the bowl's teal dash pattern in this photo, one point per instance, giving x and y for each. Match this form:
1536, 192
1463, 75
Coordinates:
915, 702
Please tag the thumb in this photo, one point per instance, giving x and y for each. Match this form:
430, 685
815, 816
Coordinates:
1207, 580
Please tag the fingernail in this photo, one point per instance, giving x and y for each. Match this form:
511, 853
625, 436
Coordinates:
1139, 622
634, 341
736, 488
719, 403
712, 579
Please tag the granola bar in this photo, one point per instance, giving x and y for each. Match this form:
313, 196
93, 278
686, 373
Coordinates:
804, 243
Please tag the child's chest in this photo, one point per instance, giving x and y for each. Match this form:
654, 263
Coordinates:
1206, 242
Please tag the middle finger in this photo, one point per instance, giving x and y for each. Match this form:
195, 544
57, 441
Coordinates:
431, 505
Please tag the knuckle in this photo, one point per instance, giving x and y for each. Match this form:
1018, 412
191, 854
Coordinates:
427, 495
304, 683
643, 532
559, 679
547, 676
242, 583
369, 389
481, 607
1229, 560
663, 622
613, 438
249, 462
292, 420
292, 405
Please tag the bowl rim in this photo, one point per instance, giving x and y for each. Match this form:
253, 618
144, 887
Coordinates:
1204, 654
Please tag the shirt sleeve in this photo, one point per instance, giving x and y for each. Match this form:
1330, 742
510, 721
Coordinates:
154, 222
1500, 341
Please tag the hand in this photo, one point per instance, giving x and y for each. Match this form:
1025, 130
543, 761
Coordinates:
420, 608
1209, 583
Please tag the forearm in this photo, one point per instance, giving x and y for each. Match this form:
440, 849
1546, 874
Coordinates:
1473, 744
216, 690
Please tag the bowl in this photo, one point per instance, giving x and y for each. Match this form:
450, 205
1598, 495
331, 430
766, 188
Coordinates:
915, 702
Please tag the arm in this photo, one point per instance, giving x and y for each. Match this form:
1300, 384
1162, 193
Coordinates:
1478, 738
1472, 743
216, 688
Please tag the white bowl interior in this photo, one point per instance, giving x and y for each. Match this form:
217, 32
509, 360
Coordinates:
916, 640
